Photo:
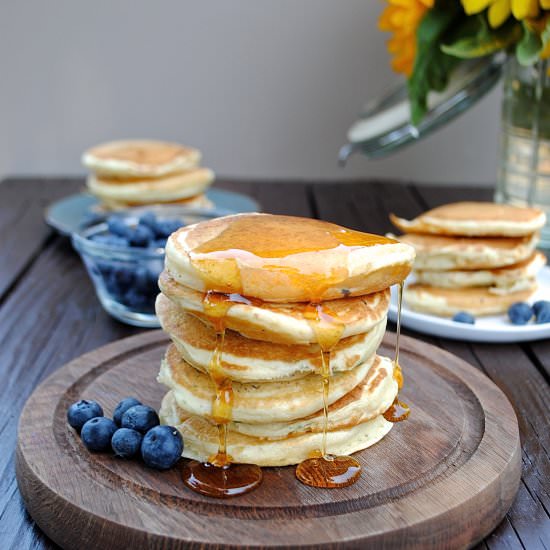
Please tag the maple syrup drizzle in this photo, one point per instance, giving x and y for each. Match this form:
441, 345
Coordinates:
398, 410
323, 469
219, 477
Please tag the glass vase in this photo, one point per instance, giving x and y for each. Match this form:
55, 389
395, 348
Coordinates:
524, 171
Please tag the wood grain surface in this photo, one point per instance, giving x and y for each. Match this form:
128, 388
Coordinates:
49, 314
444, 478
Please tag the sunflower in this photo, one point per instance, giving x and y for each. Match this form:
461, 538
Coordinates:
401, 17
500, 10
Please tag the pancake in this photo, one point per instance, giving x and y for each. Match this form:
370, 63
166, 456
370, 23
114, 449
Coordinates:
249, 360
201, 440
284, 259
258, 403
283, 323
441, 253
199, 202
370, 398
502, 280
169, 188
475, 219
446, 302
140, 158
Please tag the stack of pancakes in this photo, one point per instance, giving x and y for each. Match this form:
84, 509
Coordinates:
277, 286
140, 172
477, 257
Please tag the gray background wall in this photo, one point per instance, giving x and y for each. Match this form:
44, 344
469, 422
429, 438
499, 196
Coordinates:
264, 88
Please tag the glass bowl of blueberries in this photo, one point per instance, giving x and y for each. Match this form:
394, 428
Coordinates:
124, 254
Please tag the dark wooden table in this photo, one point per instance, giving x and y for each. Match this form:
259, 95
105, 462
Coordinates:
49, 314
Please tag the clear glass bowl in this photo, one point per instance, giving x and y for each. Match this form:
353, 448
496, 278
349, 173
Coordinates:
125, 278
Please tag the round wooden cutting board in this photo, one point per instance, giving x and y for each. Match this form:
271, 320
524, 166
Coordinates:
442, 479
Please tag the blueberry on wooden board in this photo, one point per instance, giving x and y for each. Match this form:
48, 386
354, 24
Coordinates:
126, 443
122, 407
96, 434
140, 417
82, 411
161, 447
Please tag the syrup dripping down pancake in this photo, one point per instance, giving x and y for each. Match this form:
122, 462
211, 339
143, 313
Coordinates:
201, 440
284, 258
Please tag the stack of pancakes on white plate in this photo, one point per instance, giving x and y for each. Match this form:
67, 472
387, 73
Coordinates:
477, 257
142, 172
277, 286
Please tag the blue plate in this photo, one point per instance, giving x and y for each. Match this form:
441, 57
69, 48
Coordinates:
68, 214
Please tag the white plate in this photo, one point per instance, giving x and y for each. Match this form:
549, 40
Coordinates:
495, 328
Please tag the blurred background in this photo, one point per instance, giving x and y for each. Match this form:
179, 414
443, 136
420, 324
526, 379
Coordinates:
264, 89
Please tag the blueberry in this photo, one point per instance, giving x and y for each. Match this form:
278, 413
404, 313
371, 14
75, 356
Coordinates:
520, 313
542, 311
110, 240
96, 434
140, 417
105, 268
141, 278
140, 236
164, 228
161, 447
122, 407
137, 300
82, 411
148, 219
126, 443
464, 317
123, 277
117, 226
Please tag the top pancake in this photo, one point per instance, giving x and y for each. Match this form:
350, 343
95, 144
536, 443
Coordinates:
140, 158
475, 219
284, 258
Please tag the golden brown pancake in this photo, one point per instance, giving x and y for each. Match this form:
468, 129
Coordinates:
284, 259
140, 158
256, 403
249, 360
370, 398
283, 323
199, 202
173, 187
499, 280
475, 219
201, 439
446, 302
442, 253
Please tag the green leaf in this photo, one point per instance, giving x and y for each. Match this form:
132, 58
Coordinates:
476, 38
529, 47
431, 65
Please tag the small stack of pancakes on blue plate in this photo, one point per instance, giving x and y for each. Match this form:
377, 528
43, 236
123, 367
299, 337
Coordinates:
141, 172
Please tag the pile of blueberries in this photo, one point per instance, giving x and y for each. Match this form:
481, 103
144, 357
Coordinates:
133, 431
519, 313
134, 286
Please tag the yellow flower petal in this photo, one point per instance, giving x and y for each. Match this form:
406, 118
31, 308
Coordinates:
474, 6
545, 4
499, 11
525, 8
